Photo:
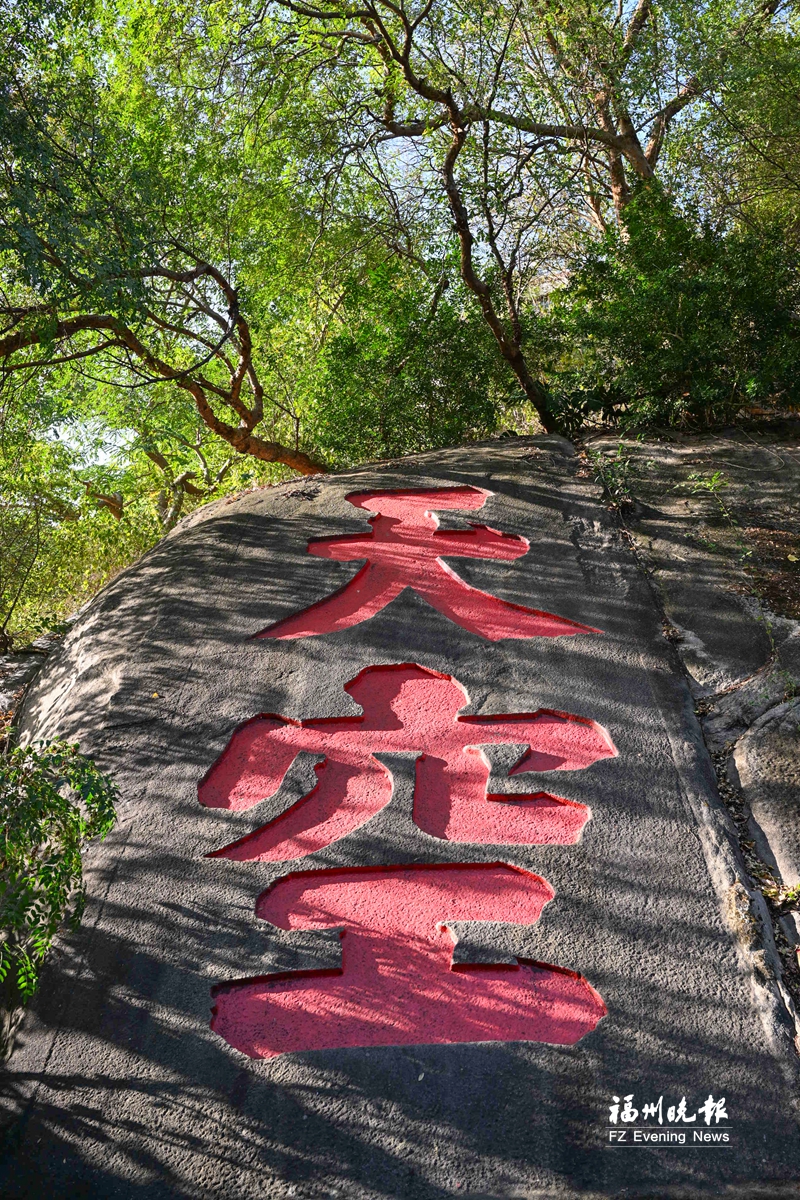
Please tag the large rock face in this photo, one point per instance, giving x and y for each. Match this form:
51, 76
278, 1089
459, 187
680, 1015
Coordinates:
767, 761
202, 1035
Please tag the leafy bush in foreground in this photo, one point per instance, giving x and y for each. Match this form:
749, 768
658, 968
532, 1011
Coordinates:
53, 801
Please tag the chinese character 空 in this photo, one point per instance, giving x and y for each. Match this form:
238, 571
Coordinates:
398, 984
405, 549
405, 707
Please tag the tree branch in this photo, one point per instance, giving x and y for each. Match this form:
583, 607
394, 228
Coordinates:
242, 438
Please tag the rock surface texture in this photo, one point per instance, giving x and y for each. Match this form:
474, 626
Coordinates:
619, 951
767, 760
714, 520
16, 671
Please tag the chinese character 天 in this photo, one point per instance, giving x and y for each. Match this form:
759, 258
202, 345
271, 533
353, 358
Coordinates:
405, 549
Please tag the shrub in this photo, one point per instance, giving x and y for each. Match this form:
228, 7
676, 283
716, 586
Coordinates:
53, 801
673, 322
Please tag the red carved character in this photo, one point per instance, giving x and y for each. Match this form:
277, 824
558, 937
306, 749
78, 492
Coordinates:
397, 984
405, 708
405, 549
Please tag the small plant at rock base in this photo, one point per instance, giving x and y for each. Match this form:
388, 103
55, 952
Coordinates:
53, 801
714, 483
785, 899
50, 625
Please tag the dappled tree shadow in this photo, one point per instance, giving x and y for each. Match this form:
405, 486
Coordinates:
120, 1087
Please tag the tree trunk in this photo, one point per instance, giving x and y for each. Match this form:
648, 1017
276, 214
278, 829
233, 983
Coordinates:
509, 347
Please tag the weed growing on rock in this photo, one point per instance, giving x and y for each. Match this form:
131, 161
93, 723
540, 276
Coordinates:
615, 473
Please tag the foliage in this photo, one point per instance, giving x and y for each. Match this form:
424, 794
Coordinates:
53, 801
672, 321
403, 374
509, 126
614, 472
740, 150
239, 240
189, 182
118, 224
59, 541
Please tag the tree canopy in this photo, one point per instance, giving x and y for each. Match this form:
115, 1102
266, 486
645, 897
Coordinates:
239, 240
